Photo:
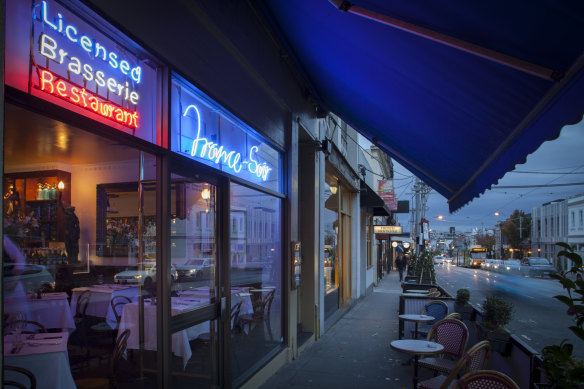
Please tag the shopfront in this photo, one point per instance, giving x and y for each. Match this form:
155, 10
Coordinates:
143, 221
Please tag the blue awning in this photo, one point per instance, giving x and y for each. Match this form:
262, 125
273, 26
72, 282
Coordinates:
456, 91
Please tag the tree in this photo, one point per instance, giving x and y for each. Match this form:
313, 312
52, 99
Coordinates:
517, 228
487, 241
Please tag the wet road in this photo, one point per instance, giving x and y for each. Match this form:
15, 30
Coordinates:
538, 319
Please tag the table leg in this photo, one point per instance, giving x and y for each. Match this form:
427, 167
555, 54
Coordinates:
415, 371
416, 331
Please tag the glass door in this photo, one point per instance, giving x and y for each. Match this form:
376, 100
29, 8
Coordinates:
194, 296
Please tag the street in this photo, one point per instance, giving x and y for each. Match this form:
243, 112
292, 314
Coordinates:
538, 319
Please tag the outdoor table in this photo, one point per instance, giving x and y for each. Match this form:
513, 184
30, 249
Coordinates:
44, 355
417, 319
420, 291
417, 348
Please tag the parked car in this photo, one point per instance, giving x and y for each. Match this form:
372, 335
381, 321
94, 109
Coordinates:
145, 277
194, 269
31, 276
540, 267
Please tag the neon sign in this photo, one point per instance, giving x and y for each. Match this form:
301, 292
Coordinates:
206, 149
85, 99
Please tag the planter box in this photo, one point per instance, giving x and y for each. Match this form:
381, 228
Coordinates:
500, 340
465, 310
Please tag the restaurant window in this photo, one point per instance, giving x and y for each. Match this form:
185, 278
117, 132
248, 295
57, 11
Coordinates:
369, 237
79, 254
256, 276
331, 249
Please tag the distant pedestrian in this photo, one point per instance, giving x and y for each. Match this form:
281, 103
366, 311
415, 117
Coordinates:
400, 262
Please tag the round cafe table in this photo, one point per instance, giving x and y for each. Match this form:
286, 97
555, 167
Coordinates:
420, 291
418, 319
416, 348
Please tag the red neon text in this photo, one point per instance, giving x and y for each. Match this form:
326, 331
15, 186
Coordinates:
81, 97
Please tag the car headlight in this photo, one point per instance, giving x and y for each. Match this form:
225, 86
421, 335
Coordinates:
115, 276
193, 271
508, 268
138, 276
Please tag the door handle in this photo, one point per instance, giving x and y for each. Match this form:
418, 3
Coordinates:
223, 307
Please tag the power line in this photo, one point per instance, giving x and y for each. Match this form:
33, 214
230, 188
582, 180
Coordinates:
524, 172
537, 186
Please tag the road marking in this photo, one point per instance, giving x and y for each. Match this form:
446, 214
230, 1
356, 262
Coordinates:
526, 337
529, 296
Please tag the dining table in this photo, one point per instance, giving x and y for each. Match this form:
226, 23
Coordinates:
99, 304
44, 355
416, 348
49, 309
417, 319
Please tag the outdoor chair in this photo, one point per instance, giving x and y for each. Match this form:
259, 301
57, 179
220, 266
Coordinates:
7, 382
436, 308
485, 379
474, 359
453, 315
453, 335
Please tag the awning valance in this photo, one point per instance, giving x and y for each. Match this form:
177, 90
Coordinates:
457, 91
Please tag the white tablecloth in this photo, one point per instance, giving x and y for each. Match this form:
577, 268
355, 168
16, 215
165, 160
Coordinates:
52, 310
47, 361
99, 302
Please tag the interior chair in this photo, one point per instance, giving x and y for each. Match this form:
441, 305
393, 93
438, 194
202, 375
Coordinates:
78, 345
261, 313
474, 359
28, 326
110, 379
21, 372
102, 332
485, 379
452, 334
435, 308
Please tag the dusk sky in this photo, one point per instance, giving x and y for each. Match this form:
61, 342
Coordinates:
564, 156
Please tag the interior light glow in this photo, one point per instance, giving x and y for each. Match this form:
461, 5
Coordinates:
79, 96
61, 185
206, 194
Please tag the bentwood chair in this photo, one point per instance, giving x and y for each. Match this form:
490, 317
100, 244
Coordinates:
453, 335
108, 381
29, 326
485, 379
10, 383
474, 359
261, 313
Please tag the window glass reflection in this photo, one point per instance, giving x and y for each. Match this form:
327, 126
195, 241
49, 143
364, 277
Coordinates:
256, 260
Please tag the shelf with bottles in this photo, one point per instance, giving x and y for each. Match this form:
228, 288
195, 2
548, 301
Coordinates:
46, 256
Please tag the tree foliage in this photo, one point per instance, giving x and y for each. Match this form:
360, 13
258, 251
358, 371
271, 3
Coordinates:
516, 228
487, 241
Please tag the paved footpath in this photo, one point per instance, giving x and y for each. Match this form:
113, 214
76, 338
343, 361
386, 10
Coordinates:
355, 352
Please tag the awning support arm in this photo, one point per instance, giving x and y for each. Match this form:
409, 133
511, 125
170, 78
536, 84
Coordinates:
481, 51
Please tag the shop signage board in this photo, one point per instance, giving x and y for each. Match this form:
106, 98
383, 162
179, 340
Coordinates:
387, 229
79, 62
206, 132
387, 193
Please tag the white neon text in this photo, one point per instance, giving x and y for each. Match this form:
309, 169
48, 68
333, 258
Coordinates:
203, 148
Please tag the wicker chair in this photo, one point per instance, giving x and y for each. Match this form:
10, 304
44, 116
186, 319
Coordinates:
436, 308
453, 335
453, 315
474, 359
485, 379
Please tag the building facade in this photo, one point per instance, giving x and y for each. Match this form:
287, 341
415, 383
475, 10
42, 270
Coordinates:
576, 223
549, 226
167, 177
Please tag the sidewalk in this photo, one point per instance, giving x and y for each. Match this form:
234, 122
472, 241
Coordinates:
355, 352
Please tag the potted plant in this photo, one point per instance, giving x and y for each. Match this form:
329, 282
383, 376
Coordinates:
461, 304
497, 312
560, 367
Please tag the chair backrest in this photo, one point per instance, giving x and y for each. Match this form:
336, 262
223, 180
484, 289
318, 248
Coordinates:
10, 383
235, 310
485, 379
452, 334
436, 308
82, 303
474, 359
119, 350
118, 302
25, 324
453, 315
269, 300
477, 356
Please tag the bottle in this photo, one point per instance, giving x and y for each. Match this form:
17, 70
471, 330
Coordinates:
45, 195
39, 193
53, 192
